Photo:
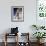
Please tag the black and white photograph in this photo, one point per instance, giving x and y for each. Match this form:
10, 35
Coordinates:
17, 13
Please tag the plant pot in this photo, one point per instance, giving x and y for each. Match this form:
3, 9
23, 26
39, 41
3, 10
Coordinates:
40, 41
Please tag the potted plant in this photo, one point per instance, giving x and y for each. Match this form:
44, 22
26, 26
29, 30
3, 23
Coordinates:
39, 35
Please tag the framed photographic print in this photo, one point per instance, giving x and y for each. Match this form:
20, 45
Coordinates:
17, 13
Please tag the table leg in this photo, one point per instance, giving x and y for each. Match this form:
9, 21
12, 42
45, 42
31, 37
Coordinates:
17, 39
5, 40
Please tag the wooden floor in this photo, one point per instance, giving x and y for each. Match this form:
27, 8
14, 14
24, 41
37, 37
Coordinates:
13, 44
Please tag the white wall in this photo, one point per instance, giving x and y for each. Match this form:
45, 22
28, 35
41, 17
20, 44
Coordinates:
29, 15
